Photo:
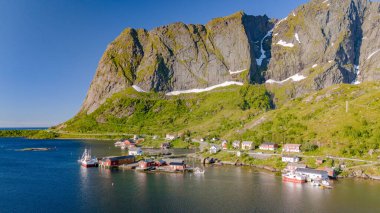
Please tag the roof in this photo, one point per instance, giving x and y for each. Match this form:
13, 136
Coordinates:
292, 144
289, 156
311, 171
120, 157
236, 142
177, 163
247, 142
215, 145
269, 144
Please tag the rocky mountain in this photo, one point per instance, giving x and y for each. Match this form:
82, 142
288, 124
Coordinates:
330, 41
180, 56
326, 41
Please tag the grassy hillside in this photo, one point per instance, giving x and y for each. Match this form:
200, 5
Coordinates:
321, 120
211, 113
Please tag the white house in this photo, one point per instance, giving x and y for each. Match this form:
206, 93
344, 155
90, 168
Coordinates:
171, 137
224, 145
290, 159
291, 148
312, 174
291, 167
247, 145
236, 144
135, 151
214, 149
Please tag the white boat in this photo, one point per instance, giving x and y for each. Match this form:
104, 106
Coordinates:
88, 161
325, 183
198, 171
119, 143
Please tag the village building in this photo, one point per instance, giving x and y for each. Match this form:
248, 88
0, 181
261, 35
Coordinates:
160, 163
140, 140
135, 137
165, 145
319, 161
116, 161
312, 174
224, 145
247, 145
147, 163
214, 149
135, 151
268, 146
170, 137
291, 148
128, 142
177, 166
330, 172
290, 159
236, 144
291, 167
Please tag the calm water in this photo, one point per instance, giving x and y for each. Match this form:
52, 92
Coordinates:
53, 182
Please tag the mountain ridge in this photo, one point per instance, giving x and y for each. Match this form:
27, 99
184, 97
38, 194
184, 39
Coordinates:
318, 45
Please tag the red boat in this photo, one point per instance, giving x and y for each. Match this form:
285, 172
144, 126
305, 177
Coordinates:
294, 178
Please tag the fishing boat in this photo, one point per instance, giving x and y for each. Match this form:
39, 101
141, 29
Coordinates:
88, 161
198, 171
119, 143
294, 178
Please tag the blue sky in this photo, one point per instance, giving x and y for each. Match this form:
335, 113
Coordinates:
49, 49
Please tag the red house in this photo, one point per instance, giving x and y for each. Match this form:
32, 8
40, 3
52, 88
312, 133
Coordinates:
268, 146
177, 166
116, 161
128, 142
144, 164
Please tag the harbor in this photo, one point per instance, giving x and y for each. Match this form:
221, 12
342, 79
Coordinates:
222, 188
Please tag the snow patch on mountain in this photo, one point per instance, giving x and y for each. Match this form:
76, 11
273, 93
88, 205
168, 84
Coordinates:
357, 72
138, 89
296, 77
285, 44
263, 56
297, 38
372, 54
225, 84
236, 72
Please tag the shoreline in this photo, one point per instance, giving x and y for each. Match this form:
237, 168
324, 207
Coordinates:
352, 173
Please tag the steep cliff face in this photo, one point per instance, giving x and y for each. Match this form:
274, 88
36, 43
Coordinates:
180, 57
370, 49
329, 41
325, 41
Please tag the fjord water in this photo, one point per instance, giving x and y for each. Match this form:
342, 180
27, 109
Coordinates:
52, 181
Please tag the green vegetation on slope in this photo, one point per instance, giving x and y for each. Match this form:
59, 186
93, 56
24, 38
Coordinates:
209, 113
320, 120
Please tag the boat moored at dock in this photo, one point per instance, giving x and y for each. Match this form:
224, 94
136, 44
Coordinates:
294, 178
87, 160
